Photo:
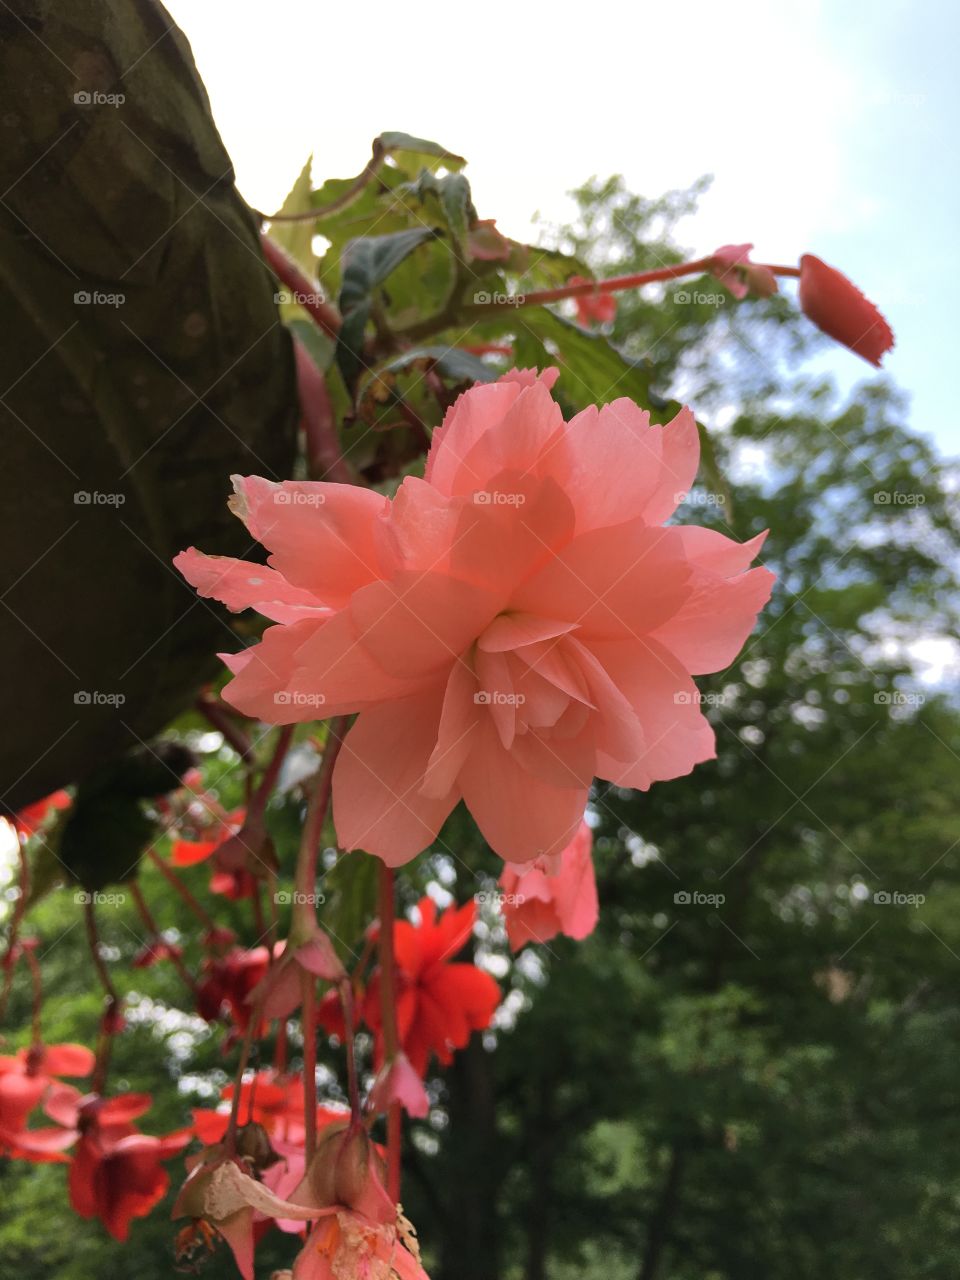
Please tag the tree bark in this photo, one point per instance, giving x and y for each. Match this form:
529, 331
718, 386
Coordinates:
143, 362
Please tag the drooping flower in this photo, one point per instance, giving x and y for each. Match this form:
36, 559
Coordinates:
595, 308
267, 1099
116, 1173
397, 1083
440, 1001
731, 265
510, 626
837, 306
26, 1079
228, 981
540, 900
232, 848
360, 1232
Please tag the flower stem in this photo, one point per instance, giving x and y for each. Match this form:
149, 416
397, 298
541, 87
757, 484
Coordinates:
305, 883
146, 915
308, 989
203, 916
388, 1021
308, 291
112, 1003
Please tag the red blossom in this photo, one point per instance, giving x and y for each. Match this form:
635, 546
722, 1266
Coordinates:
439, 1002
837, 306
600, 308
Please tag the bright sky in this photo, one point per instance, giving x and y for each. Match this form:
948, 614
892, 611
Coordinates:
830, 127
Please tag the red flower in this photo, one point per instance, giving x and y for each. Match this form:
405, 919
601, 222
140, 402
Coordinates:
230, 846
731, 265
439, 1003
115, 1173
268, 1099
837, 306
30, 819
600, 308
228, 981
25, 1079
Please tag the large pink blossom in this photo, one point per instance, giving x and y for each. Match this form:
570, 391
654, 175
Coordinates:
508, 627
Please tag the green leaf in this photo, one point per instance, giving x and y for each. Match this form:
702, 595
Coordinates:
592, 371
379, 388
449, 199
367, 262
297, 237
350, 887
419, 152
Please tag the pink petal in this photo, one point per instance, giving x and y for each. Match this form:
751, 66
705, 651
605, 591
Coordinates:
321, 536
708, 632
240, 584
377, 800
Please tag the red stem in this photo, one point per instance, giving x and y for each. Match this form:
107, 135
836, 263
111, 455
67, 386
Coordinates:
112, 1002
37, 995
349, 1043
308, 291
304, 912
212, 709
616, 284
146, 915
388, 1021
203, 916
308, 989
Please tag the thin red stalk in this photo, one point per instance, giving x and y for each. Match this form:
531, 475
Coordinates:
272, 771
308, 990
37, 995
388, 1021
212, 709
112, 1002
308, 291
347, 1003
370, 169
306, 874
203, 916
256, 1014
616, 284
146, 915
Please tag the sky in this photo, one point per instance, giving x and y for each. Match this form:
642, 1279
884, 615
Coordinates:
829, 127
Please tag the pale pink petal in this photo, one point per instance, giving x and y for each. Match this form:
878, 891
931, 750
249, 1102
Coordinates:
511, 630
519, 816
239, 584
377, 799
456, 734
417, 624
321, 536
680, 458
708, 632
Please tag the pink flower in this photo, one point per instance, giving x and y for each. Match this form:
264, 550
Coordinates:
731, 265
509, 627
837, 306
541, 900
596, 308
